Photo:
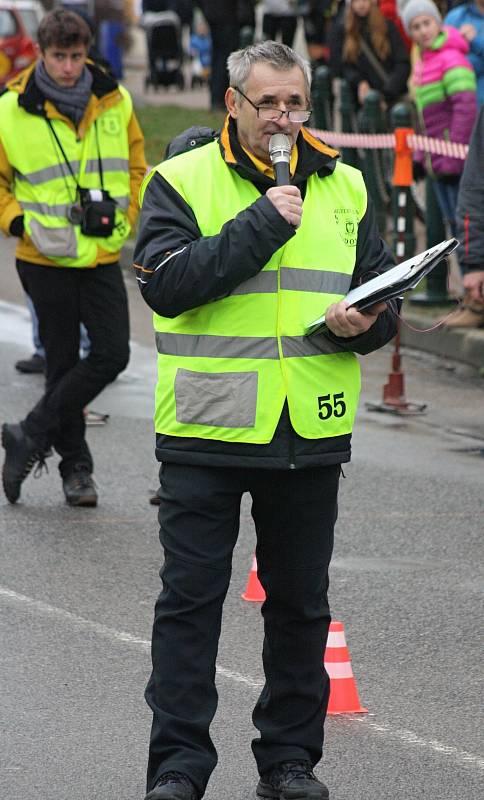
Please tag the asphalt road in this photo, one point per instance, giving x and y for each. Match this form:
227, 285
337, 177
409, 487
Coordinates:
77, 589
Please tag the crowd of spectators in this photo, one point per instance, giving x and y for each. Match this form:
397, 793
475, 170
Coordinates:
427, 54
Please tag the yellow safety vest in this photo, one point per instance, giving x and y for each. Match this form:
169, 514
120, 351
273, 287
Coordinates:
44, 187
226, 368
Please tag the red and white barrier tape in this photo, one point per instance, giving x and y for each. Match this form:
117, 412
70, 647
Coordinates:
386, 141
370, 141
438, 146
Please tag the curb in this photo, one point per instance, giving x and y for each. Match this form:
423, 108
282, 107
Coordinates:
457, 344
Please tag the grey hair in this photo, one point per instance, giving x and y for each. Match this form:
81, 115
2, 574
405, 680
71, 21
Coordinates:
278, 55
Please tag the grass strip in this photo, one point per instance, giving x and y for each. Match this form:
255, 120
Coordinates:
161, 124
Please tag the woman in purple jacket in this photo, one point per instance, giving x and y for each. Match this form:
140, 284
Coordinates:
445, 94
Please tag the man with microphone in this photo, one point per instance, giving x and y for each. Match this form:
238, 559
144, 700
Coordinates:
235, 266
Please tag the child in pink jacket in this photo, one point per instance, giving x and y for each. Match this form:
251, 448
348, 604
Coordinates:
445, 94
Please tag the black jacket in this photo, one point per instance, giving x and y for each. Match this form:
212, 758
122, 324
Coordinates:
228, 12
211, 267
184, 8
470, 204
396, 65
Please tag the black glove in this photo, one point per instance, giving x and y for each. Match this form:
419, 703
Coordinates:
17, 227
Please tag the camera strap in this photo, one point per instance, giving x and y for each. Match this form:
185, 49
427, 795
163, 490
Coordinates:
68, 164
99, 160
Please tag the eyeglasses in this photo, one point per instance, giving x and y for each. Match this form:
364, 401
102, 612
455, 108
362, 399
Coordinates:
272, 114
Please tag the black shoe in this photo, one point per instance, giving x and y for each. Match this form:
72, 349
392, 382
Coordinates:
173, 786
79, 488
21, 453
292, 780
155, 498
34, 364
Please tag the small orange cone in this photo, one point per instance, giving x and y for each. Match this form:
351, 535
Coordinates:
343, 696
254, 591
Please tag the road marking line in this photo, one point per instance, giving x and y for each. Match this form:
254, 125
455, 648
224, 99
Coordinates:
409, 737
108, 633
403, 735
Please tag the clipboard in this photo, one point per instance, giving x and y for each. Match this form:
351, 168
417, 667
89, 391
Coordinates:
392, 283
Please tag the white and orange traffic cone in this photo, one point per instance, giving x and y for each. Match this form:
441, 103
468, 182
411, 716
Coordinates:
254, 591
343, 695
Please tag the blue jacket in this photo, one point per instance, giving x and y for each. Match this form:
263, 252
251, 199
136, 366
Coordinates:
470, 14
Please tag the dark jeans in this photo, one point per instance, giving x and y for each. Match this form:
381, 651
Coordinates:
272, 25
294, 513
446, 194
225, 39
64, 297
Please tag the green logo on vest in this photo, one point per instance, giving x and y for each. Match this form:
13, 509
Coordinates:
110, 124
347, 225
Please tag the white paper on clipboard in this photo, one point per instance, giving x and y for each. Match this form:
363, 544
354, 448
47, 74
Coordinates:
392, 283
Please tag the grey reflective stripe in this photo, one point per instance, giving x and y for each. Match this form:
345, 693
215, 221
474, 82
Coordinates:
262, 283
49, 211
315, 280
300, 346
123, 202
296, 279
62, 209
109, 165
48, 173
223, 399
61, 170
202, 346
54, 242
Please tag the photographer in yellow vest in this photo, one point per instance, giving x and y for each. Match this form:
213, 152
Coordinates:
235, 267
71, 164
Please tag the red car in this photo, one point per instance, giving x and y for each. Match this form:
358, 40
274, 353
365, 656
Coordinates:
17, 49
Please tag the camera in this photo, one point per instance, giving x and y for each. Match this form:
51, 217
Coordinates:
95, 212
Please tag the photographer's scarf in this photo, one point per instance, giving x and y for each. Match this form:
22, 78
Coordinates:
71, 101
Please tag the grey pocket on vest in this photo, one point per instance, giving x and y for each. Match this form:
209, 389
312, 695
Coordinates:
225, 399
54, 242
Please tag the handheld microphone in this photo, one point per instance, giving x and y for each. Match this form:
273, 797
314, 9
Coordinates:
280, 155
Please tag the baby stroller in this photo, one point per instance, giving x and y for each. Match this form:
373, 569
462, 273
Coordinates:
165, 52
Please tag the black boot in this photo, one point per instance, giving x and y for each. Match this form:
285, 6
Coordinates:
30, 366
79, 488
21, 453
292, 780
173, 786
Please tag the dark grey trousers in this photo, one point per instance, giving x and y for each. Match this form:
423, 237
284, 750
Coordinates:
63, 297
294, 512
